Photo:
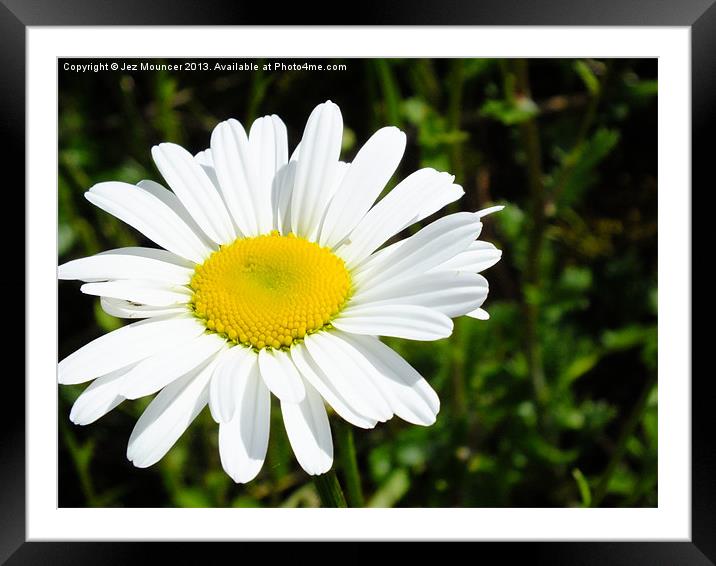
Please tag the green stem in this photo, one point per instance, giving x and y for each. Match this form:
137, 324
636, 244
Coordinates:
454, 123
529, 133
349, 464
329, 490
80, 459
391, 93
626, 432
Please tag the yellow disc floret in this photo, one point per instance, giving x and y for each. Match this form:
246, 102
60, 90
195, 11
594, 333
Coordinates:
269, 291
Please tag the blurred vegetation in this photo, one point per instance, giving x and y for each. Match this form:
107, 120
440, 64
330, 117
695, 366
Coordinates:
552, 402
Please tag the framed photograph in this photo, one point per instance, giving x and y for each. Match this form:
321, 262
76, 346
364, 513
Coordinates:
359, 281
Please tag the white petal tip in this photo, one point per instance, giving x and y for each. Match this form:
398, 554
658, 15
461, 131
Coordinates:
138, 462
367, 425
490, 210
222, 416
76, 420
64, 380
84, 420
428, 421
322, 469
245, 476
479, 314
132, 395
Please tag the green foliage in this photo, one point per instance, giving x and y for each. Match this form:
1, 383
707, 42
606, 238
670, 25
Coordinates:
584, 490
588, 76
510, 112
579, 264
578, 171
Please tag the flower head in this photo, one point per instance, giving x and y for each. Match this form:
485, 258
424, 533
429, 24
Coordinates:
273, 279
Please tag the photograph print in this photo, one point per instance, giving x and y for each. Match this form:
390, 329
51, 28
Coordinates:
357, 282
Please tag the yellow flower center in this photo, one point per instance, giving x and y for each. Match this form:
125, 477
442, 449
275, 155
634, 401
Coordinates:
269, 291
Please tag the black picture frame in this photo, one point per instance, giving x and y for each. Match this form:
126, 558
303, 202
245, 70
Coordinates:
698, 15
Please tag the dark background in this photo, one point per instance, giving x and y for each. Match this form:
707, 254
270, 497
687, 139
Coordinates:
550, 403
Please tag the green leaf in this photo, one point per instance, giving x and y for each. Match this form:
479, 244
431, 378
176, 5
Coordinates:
584, 491
623, 482
644, 89
578, 367
551, 453
576, 279
510, 113
477, 67
624, 338
415, 110
394, 488
588, 77
191, 497
579, 169
245, 501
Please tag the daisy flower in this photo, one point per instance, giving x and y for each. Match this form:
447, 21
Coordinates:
273, 280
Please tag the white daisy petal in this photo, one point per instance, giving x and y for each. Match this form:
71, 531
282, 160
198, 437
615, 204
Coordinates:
341, 170
439, 198
347, 375
477, 257
281, 376
431, 246
127, 345
152, 217
452, 293
195, 190
414, 198
402, 321
490, 210
168, 416
99, 398
154, 293
236, 366
126, 309
232, 158
154, 373
173, 202
156, 254
410, 396
206, 160
282, 190
243, 440
118, 265
268, 144
317, 169
309, 432
364, 180
336, 398
479, 314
